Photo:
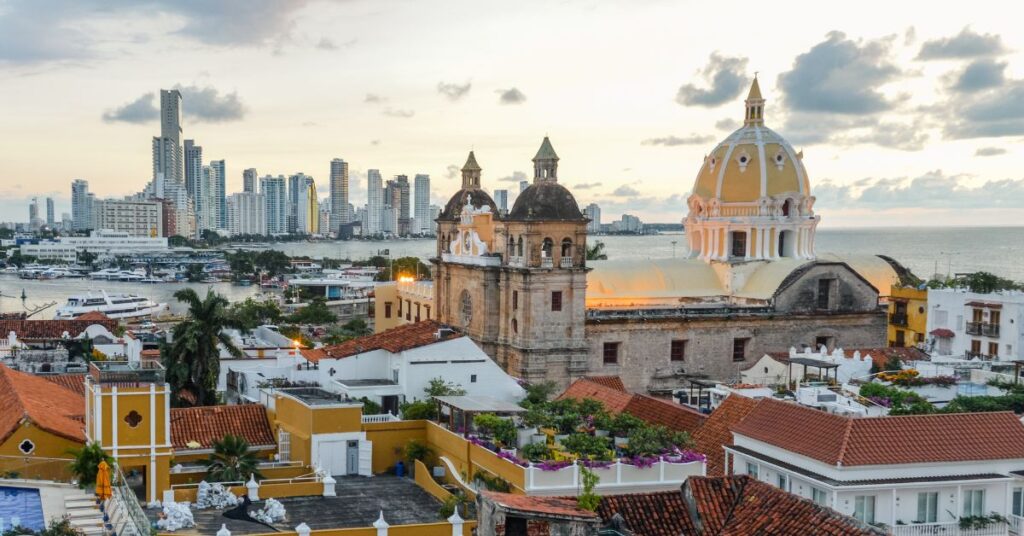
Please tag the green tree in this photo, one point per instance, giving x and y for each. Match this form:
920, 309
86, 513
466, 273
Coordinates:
194, 273
352, 329
178, 241
242, 263
439, 387
404, 267
87, 258
193, 358
596, 252
252, 313
588, 500
273, 262
316, 312
986, 283
87, 462
231, 461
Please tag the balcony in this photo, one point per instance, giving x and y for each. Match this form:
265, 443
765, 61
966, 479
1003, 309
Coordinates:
951, 528
898, 319
990, 330
565, 262
547, 262
977, 355
516, 261
126, 372
974, 328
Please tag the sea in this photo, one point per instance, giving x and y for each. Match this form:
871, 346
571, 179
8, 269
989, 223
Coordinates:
925, 250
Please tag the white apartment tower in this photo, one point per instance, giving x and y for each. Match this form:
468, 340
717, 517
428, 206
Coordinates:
501, 199
247, 214
421, 204
374, 203
593, 213
81, 206
51, 219
275, 199
339, 195
167, 152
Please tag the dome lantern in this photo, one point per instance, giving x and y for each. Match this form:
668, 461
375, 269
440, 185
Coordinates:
545, 164
755, 105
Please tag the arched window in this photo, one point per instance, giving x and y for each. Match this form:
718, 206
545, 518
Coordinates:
466, 312
786, 207
511, 249
547, 247
566, 247
519, 247
515, 326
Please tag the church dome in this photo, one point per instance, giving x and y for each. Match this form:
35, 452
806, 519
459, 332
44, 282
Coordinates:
753, 163
545, 199
470, 194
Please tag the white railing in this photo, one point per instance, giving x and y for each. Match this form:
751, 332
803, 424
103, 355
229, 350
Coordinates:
383, 417
565, 262
951, 528
547, 262
1016, 523
616, 475
516, 261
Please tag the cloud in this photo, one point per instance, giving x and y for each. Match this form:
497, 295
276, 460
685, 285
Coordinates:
453, 91
200, 104
516, 176
397, 112
373, 98
980, 74
326, 44
989, 151
452, 171
587, 185
511, 96
727, 124
374, 142
840, 76
966, 44
904, 137
993, 113
726, 77
140, 110
931, 190
625, 191
671, 141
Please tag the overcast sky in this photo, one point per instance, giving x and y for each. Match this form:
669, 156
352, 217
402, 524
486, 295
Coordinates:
908, 114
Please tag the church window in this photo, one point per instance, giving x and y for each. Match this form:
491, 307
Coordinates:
677, 351
739, 244
133, 418
26, 447
472, 378
547, 247
419, 308
515, 300
515, 326
467, 308
566, 247
519, 247
427, 309
739, 349
556, 300
611, 353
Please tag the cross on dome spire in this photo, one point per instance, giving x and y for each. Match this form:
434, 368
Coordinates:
755, 105
471, 173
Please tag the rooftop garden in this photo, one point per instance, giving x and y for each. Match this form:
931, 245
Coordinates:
901, 401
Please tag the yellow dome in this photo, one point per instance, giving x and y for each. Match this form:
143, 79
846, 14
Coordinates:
752, 163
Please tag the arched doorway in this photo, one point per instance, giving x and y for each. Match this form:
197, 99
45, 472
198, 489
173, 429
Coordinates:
787, 244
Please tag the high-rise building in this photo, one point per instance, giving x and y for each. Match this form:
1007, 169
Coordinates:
275, 198
403, 202
593, 213
193, 167
34, 222
307, 205
435, 211
137, 218
296, 184
66, 223
219, 194
249, 180
81, 206
501, 199
339, 194
247, 214
421, 209
360, 216
206, 201
523, 185
374, 203
167, 151
325, 218
51, 219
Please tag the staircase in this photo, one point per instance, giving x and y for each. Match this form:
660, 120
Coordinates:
84, 514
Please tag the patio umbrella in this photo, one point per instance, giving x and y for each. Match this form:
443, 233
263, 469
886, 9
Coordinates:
103, 491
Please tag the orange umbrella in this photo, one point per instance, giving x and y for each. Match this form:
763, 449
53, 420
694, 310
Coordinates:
103, 491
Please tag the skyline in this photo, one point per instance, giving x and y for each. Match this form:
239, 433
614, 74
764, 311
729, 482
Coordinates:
900, 124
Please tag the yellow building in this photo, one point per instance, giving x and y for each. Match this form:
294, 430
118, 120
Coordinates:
908, 316
402, 302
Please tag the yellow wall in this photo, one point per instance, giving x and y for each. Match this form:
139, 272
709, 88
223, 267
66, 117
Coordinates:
917, 315
427, 482
337, 420
48, 461
382, 295
389, 440
483, 459
267, 491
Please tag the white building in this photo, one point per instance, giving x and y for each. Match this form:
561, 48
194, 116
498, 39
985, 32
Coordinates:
136, 218
247, 214
207, 206
81, 205
421, 205
969, 325
374, 203
916, 474
435, 212
275, 197
593, 213
339, 196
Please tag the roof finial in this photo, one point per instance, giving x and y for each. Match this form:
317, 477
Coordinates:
755, 105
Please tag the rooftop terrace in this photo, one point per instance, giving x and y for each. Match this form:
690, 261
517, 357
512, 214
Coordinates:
315, 396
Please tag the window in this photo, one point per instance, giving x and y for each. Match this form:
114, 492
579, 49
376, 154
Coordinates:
975, 346
739, 349
467, 307
399, 308
515, 526
26, 447
408, 309
133, 419
752, 469
515, 300
927, 507
427, 308
974, 502
284, 445
472, 378
611, 353
515, 326
819, 496
387, 309
739, 244
993, 349
418, 310
822, 341
864, 508
825, 293
556, 300
783, 482
677, 352
1018, 501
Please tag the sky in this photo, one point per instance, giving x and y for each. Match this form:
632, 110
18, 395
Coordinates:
907, 114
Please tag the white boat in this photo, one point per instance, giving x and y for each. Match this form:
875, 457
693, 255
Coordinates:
151, 280
112, 305
106, 273
136, 275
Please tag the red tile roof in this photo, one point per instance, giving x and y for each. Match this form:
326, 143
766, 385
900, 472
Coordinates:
836, 440
206, 424
661, 513
648, 408
48, 405
716, 431
394, 340
72, 382
614, 382
53, 329
742, 506
557, 506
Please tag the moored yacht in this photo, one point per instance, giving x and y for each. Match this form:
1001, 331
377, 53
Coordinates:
112, 305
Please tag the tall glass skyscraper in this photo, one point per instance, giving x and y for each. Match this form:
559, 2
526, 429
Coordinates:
374, 202
339, 195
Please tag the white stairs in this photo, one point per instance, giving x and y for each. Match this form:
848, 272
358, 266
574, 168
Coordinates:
84, 514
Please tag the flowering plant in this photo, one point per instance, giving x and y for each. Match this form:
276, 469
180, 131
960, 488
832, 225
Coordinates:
513, 458
553, 465
684, 456
641, 462
883, 401
596, 463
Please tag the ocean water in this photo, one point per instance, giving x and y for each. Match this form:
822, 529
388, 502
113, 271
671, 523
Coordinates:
925, 251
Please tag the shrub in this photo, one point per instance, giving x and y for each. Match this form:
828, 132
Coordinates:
624, 423
588, 500
419, 410
87, 462
655, 440
587, 446
416, 450
370, 407
536, 452
492, 482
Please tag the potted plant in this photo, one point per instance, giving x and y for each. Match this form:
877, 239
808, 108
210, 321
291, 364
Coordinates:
603, 423
566, 424
622, 425
416, 450
536, 452
485, 424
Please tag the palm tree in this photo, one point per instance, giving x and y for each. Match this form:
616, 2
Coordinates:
86, 463
231, 461
193, 358
596, 252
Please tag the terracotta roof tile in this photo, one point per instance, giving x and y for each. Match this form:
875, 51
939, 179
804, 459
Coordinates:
53, 329
614, 382
661, 513
394, 340
48, 405
206, 424
906, 439
559, 506
716, 431
72, 382
648, 408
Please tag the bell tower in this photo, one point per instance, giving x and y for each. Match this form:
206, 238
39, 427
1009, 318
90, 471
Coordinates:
545, 164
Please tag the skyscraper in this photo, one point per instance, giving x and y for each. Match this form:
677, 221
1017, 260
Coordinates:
34, 222
51, 220
193, 167
339, 194
593, 213
402, 203
501, 199
167, 151
81, 205
421, 210
296, 183
206, 201
275, 197
523, 185
247, 214
374, 203
219, 195
307, 206
249, 180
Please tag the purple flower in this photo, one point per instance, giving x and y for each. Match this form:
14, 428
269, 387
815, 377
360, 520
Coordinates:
591, 464
684, 456
552, 465
641, 462
512, 458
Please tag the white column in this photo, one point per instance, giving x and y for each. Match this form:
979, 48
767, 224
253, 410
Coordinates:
302, 530
750, 236
456, 522
113, 420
